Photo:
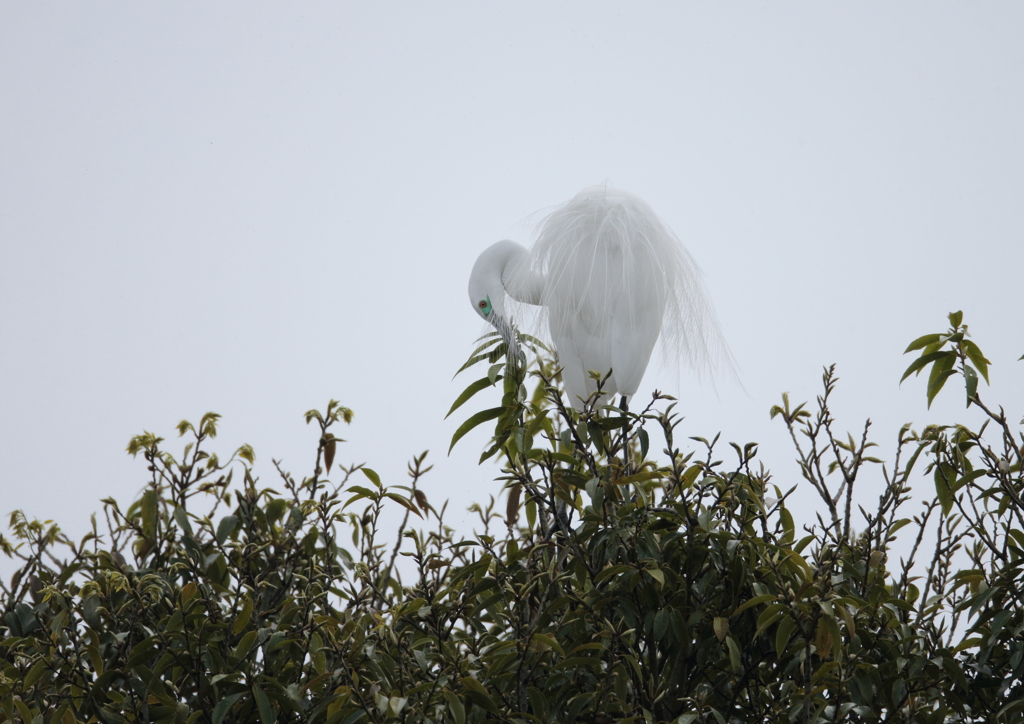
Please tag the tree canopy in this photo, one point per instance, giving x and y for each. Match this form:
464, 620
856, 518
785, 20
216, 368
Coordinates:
616, 584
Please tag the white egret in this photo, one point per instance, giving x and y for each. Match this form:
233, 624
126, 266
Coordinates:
610, 277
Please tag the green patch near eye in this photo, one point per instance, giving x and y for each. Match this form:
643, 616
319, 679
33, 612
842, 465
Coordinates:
485, 307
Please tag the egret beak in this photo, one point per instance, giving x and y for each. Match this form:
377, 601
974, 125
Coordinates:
508, 333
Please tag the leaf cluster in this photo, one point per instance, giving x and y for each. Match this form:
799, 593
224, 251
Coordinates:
630, 576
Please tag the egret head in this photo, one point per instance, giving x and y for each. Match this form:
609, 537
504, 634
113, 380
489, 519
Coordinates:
487, 294
484, 306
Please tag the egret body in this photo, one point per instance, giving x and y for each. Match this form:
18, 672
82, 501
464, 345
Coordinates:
610, 278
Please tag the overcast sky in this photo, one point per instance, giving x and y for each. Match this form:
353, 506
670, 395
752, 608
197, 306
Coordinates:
252, 208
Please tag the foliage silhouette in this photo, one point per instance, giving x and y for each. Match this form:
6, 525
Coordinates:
617, 585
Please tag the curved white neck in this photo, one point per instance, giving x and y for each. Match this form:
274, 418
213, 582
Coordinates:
512, 261
508, 263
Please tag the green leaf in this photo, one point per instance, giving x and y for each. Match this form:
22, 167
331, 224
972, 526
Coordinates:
243, 617
455, 706
834, 636
922, 342
563, 458
657, 574
330, 449
538, 703
955, 318
788, 526
226, 527
223, 707
188, 592
974, 355
481, 384
403, 502
550, 642
24, 711
477, 419
611, 423
149, 503
645, 443
245, 645
372, 475
970, 477
923, 361
181, 518
690, 476
478, 694
612, 571
755, 601
769, 616
267, 715
913, 460
142, 651
638, 478
782, 635
477, 357
945, 477
941, 371
971, 378
275, 509
34, 673
734, 655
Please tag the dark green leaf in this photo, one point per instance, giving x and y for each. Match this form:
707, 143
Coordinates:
404, 502
477, 419
267, 715
974, 355
945, 476
638, 477
478, 694
834, 636
971, 378
330, 449
24, 712
149, 503
34, 673
941, 371
788, 526
242, 620
455, 706
921, 362
782, 635
755, 601
479, 357
181, 518
224, 706
734, 655
142, 651
226, 527
245, 645
769, 616
922, 342
480, 384
971, 476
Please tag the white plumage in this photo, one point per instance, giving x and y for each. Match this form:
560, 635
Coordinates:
609, 278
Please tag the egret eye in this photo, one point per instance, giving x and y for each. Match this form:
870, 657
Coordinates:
485, 306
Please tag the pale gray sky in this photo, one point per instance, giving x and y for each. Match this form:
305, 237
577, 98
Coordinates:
251, 208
